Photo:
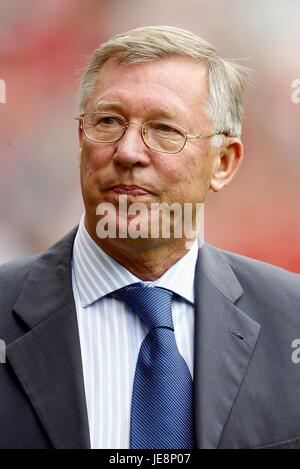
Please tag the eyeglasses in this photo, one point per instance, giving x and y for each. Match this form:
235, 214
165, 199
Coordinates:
159, 136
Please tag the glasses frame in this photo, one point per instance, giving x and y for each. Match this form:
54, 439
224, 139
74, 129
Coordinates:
187, 136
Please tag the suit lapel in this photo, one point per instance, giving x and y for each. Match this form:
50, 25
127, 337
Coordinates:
225, 338
47, 359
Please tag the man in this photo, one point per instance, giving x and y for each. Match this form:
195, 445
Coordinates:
119, 341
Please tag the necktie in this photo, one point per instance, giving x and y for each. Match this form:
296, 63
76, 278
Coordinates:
162, 400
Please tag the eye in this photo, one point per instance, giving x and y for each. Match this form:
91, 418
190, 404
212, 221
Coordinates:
107, 121
163, 128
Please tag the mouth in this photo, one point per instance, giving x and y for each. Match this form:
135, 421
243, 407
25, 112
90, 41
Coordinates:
130, 190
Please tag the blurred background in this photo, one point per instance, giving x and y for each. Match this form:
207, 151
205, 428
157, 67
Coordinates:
44, 44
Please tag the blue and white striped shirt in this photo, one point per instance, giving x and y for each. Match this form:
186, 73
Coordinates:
111, 334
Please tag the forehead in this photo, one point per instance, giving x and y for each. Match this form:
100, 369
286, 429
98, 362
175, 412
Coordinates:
176, 83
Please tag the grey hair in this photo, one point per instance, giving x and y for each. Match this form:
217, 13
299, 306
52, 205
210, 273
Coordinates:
226, 79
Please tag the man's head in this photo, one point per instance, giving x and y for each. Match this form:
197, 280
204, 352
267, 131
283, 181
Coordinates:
166, 75
226, 80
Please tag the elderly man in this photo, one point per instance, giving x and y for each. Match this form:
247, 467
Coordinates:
123, 339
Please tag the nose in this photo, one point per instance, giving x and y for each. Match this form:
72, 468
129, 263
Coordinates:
131, 149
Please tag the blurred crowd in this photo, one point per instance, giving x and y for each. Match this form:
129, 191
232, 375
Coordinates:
44, 44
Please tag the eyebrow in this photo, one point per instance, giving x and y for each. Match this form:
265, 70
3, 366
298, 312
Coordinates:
106, 103
166, 113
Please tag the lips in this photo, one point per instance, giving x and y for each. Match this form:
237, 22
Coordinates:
130, 190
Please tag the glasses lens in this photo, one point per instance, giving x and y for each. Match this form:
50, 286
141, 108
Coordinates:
102, 127
161, 136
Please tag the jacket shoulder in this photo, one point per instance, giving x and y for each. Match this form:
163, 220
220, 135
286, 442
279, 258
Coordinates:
266, 287
16, 270
270, 294
254, 269
18, 263
12, 276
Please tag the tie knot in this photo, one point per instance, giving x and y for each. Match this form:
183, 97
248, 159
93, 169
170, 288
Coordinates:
152, 304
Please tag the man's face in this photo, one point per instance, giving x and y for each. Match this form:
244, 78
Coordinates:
174, 90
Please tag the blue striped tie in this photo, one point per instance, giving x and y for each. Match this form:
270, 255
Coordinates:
162, 400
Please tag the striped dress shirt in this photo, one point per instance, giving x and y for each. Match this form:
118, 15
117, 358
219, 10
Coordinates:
111, 334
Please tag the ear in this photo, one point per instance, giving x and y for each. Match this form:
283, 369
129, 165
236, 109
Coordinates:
227, 162
80, 132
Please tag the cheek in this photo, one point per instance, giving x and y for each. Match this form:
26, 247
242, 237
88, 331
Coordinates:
187, 179
94, 161
94, 157
94, 168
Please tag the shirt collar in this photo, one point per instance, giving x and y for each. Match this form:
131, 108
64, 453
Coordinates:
98, 274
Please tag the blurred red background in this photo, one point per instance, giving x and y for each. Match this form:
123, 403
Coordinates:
43, 47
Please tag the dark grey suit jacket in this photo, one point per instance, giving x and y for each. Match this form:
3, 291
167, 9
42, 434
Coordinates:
247, 388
